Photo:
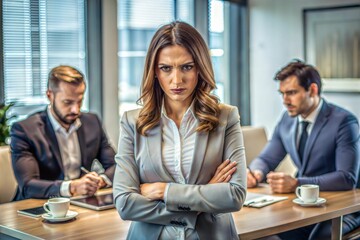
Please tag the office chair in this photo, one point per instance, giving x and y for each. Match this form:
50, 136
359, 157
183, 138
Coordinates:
8, 183
255, 139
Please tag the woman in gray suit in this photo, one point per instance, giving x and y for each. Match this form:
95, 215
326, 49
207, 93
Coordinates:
180, 167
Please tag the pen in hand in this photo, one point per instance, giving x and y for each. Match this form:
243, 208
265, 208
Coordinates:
84, 170
252, 174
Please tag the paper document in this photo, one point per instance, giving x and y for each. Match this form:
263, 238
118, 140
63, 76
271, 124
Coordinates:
258, 200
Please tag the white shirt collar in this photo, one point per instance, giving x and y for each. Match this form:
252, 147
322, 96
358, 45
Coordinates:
190, 110
57, 126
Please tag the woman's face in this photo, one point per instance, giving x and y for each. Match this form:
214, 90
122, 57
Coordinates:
177, 75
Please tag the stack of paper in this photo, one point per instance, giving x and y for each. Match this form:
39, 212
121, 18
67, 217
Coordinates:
260, 200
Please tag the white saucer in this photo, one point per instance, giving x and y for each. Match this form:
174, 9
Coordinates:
50, 218
319, 202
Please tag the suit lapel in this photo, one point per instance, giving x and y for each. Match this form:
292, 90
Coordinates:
291, 138
153, 146
320, 122
52, 140
199, 154
82, 144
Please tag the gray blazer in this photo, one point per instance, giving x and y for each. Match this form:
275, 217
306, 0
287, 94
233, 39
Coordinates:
197, 205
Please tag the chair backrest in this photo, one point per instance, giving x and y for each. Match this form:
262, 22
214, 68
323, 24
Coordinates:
8, 183
255, 139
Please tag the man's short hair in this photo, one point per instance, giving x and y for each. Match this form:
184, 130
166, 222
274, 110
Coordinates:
305, 73
64, 73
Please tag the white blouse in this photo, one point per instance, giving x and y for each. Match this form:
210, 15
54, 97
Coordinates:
177, 155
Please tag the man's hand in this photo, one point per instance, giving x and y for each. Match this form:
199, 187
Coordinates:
86, 185
153, 191
102, 183
224, 172
253, 178
281, 182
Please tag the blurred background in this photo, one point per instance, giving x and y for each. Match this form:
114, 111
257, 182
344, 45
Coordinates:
249, 41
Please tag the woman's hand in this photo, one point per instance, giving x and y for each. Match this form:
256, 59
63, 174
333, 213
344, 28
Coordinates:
153, 191
224, 172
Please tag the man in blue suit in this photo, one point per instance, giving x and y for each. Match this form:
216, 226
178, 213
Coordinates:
327, 155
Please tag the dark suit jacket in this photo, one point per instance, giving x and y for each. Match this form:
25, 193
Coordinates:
36, 156
331, 156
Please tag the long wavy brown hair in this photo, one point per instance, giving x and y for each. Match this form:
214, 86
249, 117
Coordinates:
206, 104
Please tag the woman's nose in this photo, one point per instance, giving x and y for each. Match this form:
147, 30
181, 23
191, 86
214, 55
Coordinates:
177, 78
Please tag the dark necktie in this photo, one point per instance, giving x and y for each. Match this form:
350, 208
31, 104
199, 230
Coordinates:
303, 139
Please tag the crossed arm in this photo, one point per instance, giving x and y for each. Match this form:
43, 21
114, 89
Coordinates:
137, 201
155, 191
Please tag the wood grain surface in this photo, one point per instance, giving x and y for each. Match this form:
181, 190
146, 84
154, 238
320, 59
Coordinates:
251, 223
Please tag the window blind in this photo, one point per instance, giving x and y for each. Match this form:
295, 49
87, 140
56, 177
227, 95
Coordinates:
37, 36
137, 22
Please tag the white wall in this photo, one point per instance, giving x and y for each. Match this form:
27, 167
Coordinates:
276, 37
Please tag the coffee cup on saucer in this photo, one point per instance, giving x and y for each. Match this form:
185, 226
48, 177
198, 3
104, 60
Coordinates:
57, 207
308, 193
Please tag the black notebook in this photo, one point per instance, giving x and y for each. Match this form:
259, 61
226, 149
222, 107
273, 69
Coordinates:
33, 212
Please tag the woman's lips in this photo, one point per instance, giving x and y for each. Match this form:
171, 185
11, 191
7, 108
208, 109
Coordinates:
177, 90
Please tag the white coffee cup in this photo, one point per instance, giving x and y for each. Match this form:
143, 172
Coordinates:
57, 207
308, 193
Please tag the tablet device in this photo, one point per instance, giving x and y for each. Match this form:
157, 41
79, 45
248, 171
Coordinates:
33, 212
96, 202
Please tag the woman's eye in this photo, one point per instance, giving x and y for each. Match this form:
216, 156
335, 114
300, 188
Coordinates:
165, 68
187, 67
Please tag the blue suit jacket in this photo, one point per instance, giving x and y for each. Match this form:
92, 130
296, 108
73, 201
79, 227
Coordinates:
331, 157
36, 156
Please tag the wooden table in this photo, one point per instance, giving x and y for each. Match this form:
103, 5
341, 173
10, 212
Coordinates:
282, 216
250, 222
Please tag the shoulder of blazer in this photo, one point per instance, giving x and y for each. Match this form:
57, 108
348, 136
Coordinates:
335, 114
228, 114
225, 110
226, 107
35, 119
131, 116
332, 109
